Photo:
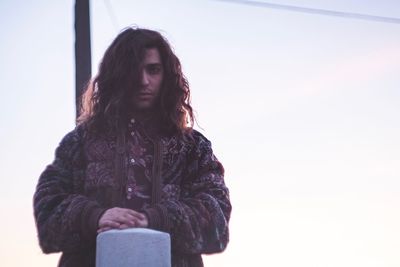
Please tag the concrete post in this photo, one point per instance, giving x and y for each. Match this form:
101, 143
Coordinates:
133, 247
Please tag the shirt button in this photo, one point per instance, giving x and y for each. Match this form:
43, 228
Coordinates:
129, 189
132, 160
133, 120
132, 133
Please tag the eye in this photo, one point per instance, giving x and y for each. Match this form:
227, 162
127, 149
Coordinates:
154, 69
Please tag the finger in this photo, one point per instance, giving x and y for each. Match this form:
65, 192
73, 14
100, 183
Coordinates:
109, 223
116, 217
136, 214
125, 226
142, 220
142, 223
124, 219
103, 229
116, 212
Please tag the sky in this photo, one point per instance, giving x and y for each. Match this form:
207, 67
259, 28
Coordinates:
302, 110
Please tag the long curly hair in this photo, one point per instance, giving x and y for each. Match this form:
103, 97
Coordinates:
106, 102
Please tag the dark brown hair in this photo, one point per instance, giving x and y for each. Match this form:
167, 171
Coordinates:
105, 105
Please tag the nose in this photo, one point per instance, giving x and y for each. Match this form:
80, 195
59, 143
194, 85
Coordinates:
145, 78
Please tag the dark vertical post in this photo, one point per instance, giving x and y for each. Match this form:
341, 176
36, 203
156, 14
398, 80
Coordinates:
83, 58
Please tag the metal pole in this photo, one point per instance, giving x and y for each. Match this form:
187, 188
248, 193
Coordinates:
83, 58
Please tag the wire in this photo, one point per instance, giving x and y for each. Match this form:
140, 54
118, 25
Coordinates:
317, 11
111, 14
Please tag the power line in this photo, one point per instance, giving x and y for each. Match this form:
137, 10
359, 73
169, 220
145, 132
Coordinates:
111, 14
317, 11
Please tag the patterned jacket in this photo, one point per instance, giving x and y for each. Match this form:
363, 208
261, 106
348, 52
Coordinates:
178, 183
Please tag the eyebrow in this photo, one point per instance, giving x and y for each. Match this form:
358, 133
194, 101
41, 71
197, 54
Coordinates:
153, 65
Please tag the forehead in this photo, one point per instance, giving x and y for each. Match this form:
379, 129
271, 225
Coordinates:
152, 56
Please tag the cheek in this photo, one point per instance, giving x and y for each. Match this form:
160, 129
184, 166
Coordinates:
159, 82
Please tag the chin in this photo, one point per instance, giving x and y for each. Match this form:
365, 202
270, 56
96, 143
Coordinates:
143, 107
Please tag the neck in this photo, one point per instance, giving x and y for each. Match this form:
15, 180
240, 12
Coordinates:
143, 115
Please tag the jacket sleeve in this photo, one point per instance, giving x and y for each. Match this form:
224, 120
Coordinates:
198, 220
66, 220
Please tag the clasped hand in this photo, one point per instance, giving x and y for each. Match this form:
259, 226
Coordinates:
120, 218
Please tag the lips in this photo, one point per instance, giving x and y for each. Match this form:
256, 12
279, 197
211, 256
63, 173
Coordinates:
144, 96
